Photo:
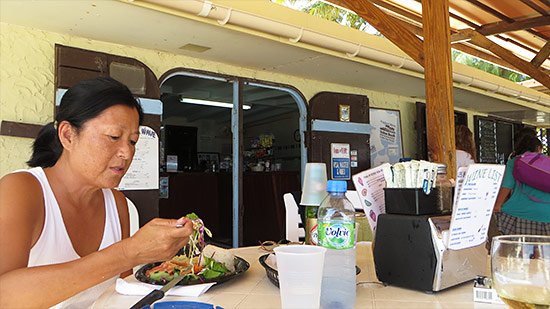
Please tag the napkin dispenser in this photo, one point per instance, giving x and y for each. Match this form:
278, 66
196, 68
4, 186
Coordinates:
409, 252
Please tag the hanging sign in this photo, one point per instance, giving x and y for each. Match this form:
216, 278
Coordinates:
340, 160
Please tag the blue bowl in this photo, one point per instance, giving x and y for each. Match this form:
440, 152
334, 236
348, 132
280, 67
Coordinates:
183, 305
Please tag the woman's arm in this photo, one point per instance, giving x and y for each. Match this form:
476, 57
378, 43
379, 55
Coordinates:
44, 286
503, 196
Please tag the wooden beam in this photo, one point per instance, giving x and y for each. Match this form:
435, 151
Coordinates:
535, 7
542, 55
392, 30
509, 57
504, 17
503, 27
439, 84
19, 129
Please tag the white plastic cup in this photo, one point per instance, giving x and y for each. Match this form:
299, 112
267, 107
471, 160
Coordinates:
314, 189
300, 270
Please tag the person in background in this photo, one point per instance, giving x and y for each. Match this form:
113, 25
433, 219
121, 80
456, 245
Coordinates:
519, 136
516, 211
465, 146
64, 231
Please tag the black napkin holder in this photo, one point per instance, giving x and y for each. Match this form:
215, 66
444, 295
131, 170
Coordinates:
410, 201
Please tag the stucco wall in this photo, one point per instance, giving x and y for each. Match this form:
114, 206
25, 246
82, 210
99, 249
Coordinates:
27, 89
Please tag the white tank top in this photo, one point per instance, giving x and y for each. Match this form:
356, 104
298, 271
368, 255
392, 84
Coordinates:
54, 245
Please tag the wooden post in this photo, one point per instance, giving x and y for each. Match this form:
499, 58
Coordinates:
439, 84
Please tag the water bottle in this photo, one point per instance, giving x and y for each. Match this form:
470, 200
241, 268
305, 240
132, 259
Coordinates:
336, 232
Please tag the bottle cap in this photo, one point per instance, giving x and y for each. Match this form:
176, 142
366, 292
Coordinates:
337, 186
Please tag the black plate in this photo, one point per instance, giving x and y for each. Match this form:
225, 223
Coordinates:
240, 267
272, 273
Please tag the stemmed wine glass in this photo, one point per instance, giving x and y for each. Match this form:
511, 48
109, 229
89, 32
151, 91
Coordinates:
520, 266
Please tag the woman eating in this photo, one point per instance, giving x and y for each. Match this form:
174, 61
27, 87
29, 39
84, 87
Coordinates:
64, 230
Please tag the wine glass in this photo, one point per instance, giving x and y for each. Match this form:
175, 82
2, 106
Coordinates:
520, 266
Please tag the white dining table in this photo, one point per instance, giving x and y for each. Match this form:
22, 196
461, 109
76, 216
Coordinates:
253, 290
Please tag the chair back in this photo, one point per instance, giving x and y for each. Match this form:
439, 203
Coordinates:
293, 230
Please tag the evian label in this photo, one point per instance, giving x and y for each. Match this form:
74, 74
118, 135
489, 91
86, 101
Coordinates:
337, 236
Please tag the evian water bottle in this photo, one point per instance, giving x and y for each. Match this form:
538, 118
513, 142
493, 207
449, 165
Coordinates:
336, 232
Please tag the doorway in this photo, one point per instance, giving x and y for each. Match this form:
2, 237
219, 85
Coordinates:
198, 153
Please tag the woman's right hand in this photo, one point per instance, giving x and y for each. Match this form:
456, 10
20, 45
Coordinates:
158, 240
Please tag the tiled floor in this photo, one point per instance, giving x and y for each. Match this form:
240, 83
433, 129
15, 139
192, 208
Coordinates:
253, 290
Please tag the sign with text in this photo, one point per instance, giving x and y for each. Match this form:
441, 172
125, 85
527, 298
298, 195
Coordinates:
143, 173
340, 161
476, 195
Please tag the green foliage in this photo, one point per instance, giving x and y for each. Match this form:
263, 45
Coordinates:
329, 12
488, 67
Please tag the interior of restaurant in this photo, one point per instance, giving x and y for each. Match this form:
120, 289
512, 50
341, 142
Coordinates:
196, 127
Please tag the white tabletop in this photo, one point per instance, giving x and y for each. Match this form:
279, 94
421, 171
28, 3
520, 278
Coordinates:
254, 290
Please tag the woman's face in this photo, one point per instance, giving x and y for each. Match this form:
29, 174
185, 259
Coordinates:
105, 146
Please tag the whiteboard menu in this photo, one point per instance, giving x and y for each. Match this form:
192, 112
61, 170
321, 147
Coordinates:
143, 173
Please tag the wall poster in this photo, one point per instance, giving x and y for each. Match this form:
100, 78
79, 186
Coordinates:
386, 141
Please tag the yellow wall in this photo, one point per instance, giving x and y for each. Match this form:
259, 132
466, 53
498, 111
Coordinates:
27, 89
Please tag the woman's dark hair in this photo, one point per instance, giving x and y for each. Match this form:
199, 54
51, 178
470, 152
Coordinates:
464, 140
527, 143
523, 132
82, 102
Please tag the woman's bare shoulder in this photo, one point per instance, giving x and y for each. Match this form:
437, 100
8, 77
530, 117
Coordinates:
22, 216
20, 185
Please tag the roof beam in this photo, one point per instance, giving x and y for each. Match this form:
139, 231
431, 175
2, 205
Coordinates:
535, 7
498, 14
503, 26
542, 55
509, 57
392, 30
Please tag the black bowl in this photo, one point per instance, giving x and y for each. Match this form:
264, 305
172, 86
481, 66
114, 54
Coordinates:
272, 273
240, 267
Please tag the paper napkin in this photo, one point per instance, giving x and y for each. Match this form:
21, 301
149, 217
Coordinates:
131, 286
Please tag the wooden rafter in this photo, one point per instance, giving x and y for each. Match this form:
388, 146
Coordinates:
535, 7
503, 27
509, 57
542, 55
392, 30
498, 14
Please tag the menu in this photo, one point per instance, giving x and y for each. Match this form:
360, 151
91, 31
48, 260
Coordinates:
143, 173
476, 193
370, 186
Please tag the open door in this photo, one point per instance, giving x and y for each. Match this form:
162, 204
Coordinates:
74, 64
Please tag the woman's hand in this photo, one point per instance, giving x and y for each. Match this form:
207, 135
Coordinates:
158, 240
